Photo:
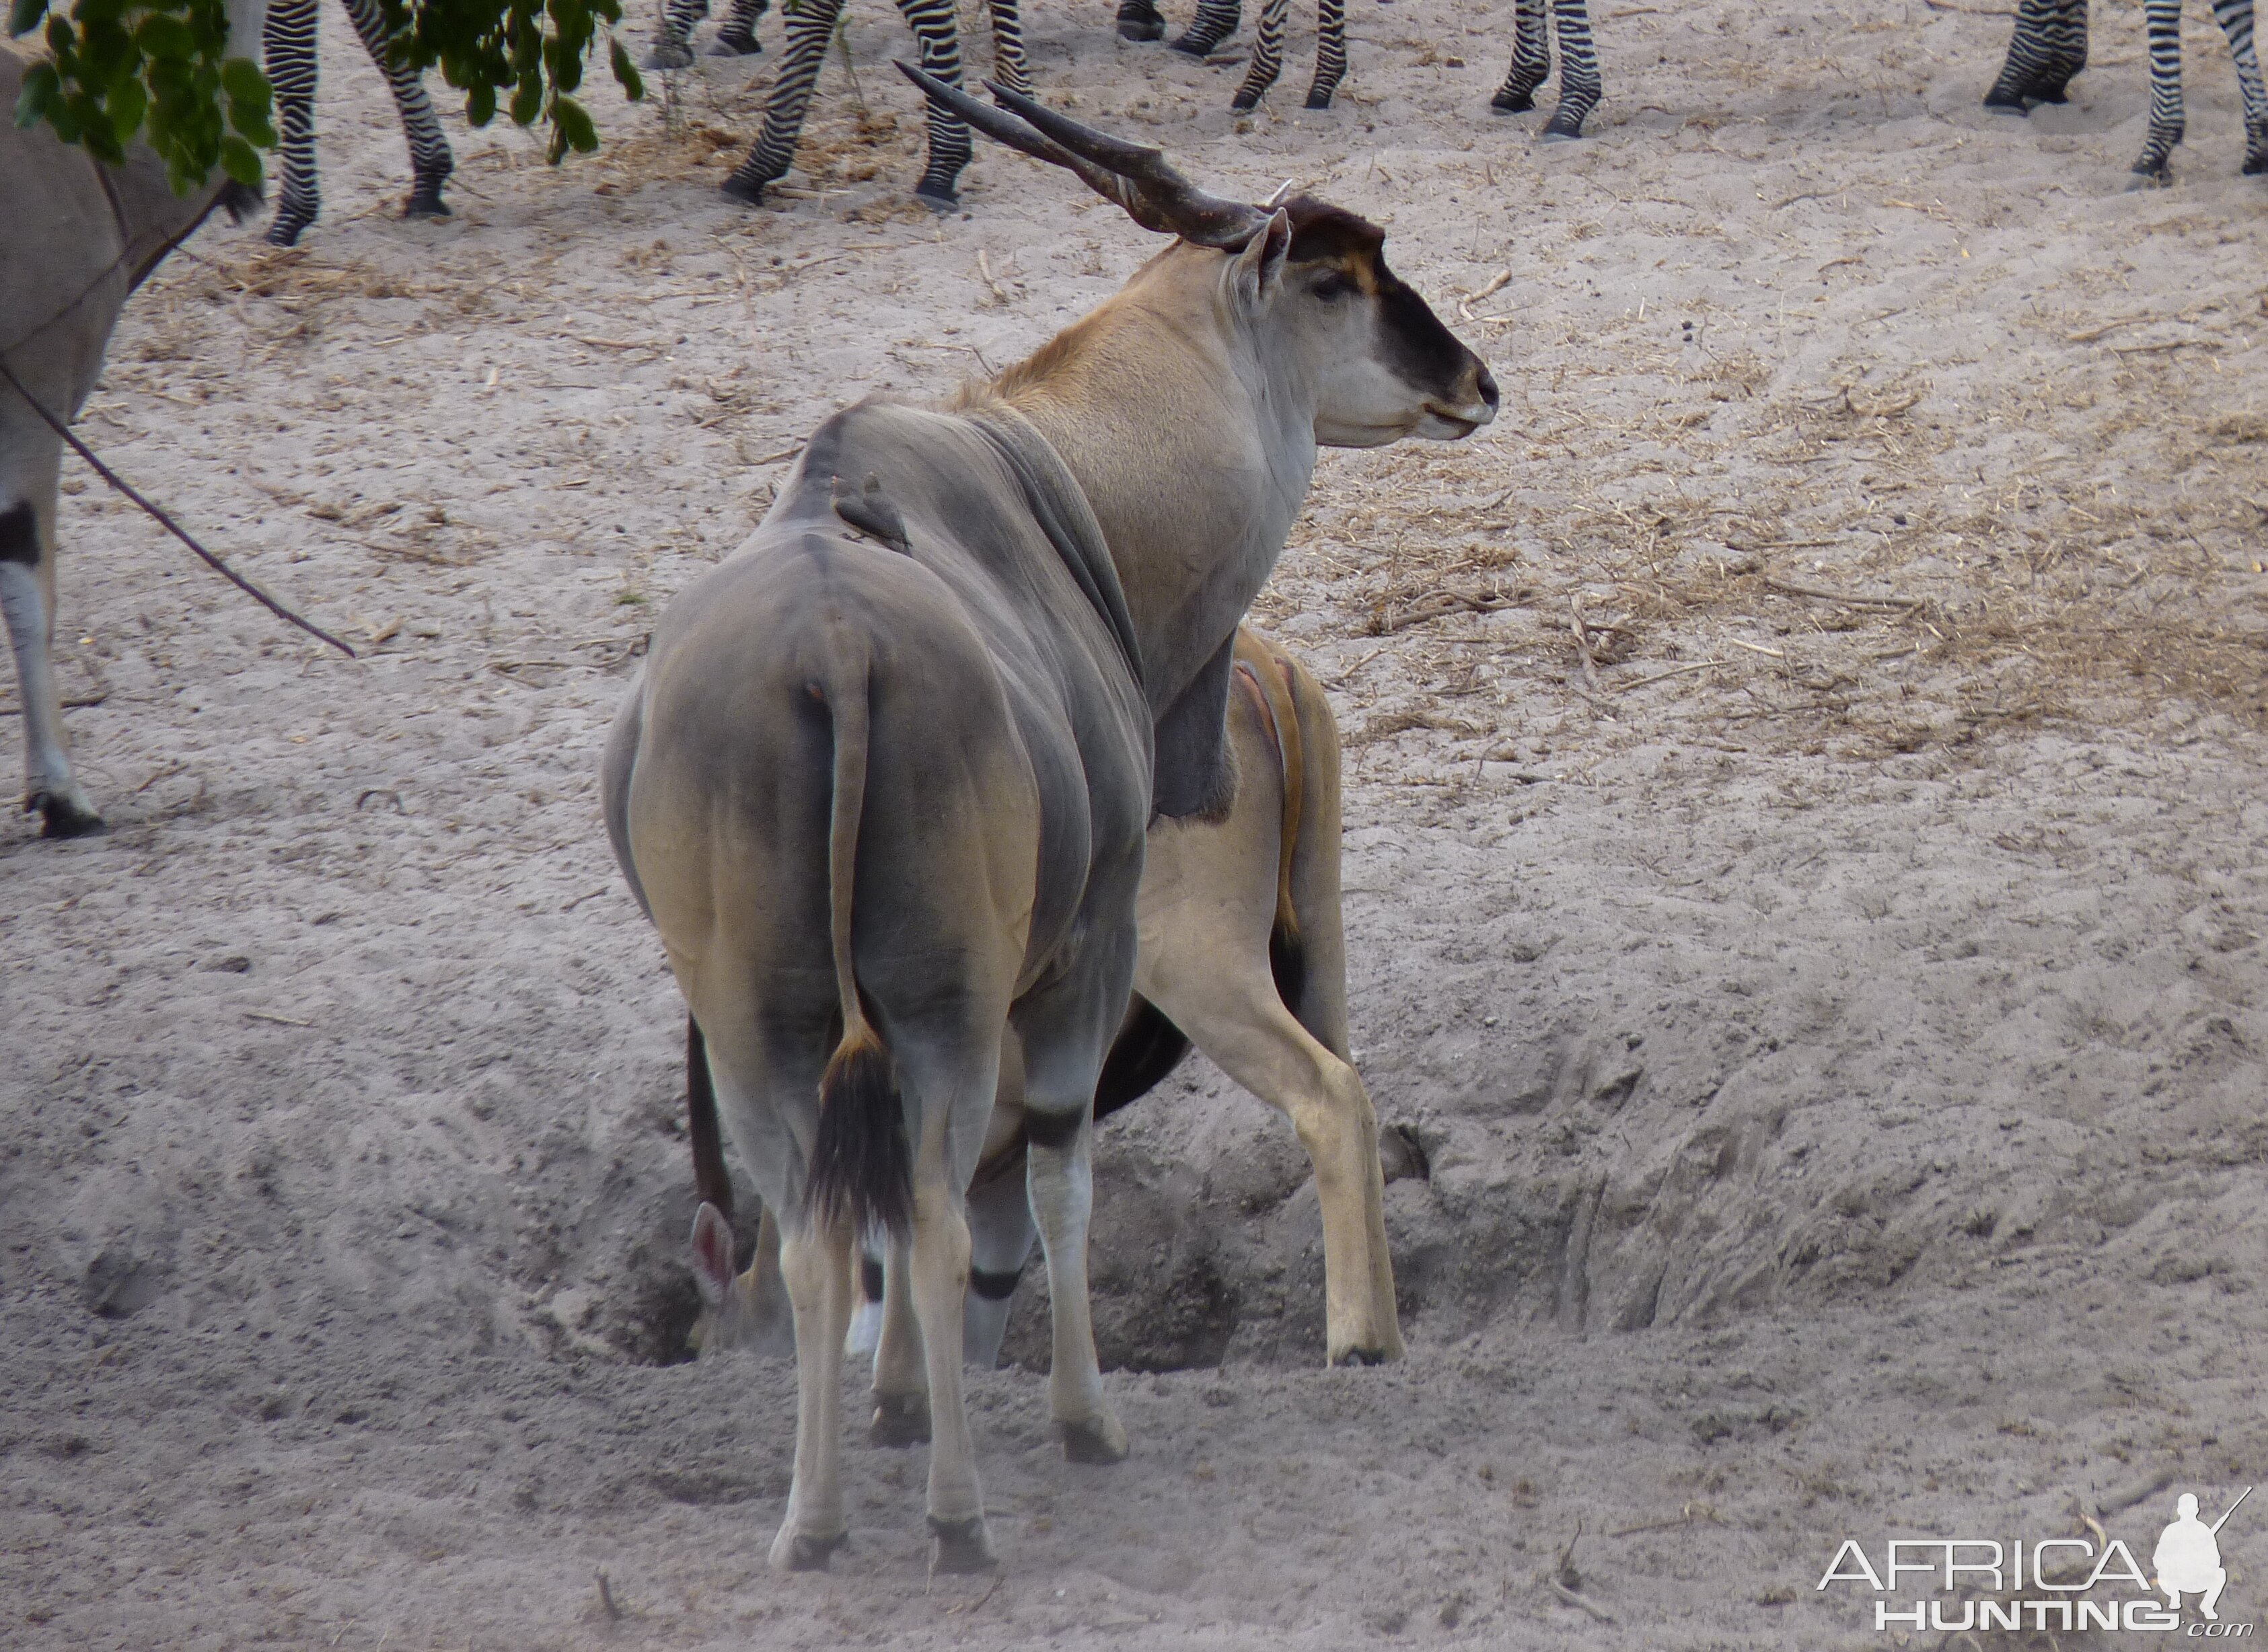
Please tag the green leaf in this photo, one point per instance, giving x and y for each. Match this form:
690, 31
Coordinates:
625, 71
574, 123
479, 105
41, 89
127, 103
241, 79
161, 35
24, 16
527, 100
241, 161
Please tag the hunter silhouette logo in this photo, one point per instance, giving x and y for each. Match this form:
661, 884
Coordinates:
2188, 1556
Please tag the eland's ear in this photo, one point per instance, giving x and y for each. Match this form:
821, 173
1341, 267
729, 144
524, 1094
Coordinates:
1257, 271
713, 1255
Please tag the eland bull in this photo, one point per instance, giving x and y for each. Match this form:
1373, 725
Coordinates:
884, 784
80, 236
1242, 951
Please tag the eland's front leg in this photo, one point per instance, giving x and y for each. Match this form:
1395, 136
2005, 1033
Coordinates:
815, 1261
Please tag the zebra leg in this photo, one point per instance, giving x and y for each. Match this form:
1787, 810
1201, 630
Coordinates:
1330, 52
1267, 57
932, 24
673, 47
1215, 21
810, 25
1008, 47
1140, 20
287, 42
1531, 60
2235, 19
737, 37
1578, 69
2047, 49
2167, 123
431, 163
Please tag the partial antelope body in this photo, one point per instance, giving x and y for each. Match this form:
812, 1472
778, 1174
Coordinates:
78, 238
884, 785
1242, 950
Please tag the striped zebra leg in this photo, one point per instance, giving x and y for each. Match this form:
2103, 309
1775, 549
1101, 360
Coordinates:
673, 47
932, 24
1531, 60
1578, 69
1139, 20
431, 163
1267, 56
810, 25
287, 44
2047, 49
2235, 19
1330, 52
2166, 121
737, 37
1008, 47
1215, 21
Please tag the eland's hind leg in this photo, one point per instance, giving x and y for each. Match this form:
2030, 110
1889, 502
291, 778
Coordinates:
815, 1260
27, 598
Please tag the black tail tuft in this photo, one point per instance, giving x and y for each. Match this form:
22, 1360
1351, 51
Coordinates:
861, 1166
1287, 961
1150, 1048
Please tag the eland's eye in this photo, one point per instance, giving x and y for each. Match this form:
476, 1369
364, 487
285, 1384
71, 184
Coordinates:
1333, 285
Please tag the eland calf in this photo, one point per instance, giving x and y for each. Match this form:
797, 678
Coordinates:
884, 784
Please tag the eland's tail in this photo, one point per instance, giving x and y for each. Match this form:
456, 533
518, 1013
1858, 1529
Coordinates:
861, 1165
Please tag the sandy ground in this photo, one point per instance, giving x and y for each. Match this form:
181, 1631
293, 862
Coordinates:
1820, 1041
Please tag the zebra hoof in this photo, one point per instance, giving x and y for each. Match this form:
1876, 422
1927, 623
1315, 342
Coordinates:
2255, 164
1193, 47
801, 1552
961, 1546
1512, 102
749, 191
667, 57
426, 204
729, 45
936, 197
62, 816
1244, 102
1319, 98
1140, 21
2156, 174
1563, 131
285, 231
900, 1420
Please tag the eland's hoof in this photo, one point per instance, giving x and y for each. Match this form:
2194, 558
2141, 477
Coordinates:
802, 1551
1363, 1356
1095, 1440
961, 1546
667, 57
900, 1420
63, 817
